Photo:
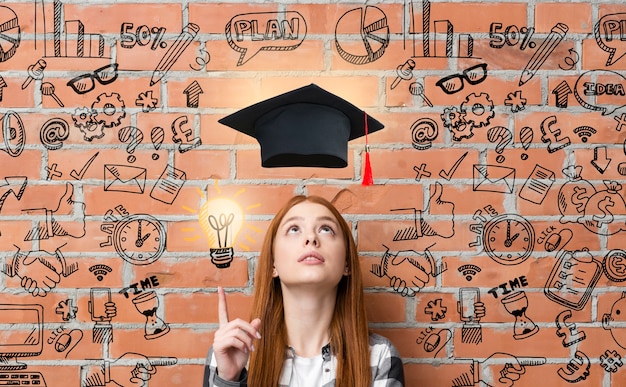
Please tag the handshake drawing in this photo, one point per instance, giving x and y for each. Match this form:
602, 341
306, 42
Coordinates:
40, 271
407, 270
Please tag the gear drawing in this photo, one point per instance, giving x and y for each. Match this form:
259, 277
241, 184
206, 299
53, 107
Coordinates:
478, 109
454, 120
109, 109
83, 118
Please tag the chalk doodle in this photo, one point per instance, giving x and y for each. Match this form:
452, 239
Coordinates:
517, 304
455, 82
471, 310
10, 32
265, 31
577, 369
545, 49
552, 136
85, 83
511, 36
573, 278
567, 329
509, 239
375, 34
608, 31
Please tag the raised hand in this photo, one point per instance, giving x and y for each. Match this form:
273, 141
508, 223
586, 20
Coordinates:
233, 341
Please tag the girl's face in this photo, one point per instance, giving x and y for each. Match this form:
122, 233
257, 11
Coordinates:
309, 247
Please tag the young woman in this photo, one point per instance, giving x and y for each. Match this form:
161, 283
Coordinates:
309, 326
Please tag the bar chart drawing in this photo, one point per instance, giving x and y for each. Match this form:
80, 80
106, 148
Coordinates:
437, 36
69, 39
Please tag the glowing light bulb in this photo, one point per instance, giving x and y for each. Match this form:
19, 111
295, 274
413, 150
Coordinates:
222, 220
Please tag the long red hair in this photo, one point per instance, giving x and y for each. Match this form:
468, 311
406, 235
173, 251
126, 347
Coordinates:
349, 336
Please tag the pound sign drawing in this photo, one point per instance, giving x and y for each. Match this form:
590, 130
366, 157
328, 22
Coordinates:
553, 136
567, 330
184, 137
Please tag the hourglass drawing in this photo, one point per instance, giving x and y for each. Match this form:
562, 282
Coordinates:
516, 304
147, 304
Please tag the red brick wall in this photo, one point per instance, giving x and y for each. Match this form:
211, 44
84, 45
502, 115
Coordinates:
80, 168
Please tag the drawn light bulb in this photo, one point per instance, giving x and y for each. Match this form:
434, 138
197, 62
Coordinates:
221, 219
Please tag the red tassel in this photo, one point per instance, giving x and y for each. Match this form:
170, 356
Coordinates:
367, 171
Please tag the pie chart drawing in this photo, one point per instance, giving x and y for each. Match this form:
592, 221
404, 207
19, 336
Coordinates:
371, 24
9, 33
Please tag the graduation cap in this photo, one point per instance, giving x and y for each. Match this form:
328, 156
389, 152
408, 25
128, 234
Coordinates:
305, 127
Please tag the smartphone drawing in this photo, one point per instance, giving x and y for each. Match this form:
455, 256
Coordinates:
467, 298
98, 298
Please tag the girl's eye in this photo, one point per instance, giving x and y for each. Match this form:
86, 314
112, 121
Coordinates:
327, 229
293, 229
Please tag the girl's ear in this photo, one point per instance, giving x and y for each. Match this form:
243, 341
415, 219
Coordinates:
346, 271
274, 273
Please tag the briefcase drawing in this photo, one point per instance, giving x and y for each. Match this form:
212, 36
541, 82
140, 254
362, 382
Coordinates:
124, 178
493, 178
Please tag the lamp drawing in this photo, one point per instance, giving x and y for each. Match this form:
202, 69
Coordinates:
147, 304
222, 220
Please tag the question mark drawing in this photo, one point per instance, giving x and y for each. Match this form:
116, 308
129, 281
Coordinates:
134, 137
157, 135
503, 136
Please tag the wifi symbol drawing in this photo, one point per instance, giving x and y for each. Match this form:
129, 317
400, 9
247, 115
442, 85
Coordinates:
100, 271
584, 132
469, 271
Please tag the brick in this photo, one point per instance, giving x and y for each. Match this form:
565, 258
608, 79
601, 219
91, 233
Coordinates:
202, 308
212, 18
576, 16
359, 199
107, 19
383, 307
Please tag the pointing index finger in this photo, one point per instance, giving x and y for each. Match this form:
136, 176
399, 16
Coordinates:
222, 308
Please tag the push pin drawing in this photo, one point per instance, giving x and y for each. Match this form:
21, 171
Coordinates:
416, 88
47, 88
405, 72
35, 71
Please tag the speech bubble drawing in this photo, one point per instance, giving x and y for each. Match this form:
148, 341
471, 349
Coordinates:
610, 32
593, 85
265, 31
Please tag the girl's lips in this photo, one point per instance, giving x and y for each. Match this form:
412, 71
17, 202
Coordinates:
311, 256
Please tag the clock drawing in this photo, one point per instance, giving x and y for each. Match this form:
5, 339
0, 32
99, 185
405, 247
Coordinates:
139, 239
509, 239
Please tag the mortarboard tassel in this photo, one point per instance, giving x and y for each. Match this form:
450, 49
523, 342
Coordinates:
367, 171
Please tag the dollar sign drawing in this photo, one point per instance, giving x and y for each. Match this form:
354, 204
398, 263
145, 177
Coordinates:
602, 206
580, 198
619, 265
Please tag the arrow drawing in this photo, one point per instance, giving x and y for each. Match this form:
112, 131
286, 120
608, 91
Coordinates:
12, 185
193, 92
600, 160
561, 91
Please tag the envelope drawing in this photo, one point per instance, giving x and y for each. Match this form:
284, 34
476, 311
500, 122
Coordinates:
124, 178
493, 178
